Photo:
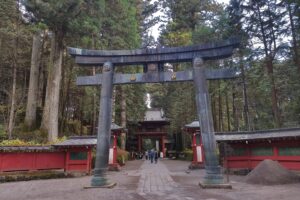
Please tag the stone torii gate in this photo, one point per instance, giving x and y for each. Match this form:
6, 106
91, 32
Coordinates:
197, 54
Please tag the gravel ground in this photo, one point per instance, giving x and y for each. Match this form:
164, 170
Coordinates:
189, 180
127, 183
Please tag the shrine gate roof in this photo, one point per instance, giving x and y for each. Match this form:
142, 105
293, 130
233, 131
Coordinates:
194, 124
154, 115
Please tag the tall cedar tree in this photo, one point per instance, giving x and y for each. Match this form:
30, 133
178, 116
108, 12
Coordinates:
263, 22
62, 17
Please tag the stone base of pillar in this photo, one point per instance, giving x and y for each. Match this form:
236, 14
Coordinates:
196, 165
110, 185
114, 167
100, 182
214, 178
215, 186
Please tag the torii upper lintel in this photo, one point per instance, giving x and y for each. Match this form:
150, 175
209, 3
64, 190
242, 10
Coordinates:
210, 51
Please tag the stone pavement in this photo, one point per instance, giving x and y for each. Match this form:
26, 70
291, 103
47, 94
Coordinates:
155, 179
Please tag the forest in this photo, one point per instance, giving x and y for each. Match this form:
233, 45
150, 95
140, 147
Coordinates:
39, 99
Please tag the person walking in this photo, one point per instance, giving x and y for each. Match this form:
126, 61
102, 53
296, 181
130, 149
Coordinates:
152, 155
155, 156
146, 155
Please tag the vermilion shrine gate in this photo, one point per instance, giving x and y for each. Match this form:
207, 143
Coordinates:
197, 54
152, 127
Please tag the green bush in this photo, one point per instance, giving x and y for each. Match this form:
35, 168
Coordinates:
3, 134
38, 136
122, 156
18, 142
188, 154
73, 127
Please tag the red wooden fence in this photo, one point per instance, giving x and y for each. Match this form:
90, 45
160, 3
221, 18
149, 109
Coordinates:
76, 159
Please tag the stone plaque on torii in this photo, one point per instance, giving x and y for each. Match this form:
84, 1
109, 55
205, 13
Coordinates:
196, 54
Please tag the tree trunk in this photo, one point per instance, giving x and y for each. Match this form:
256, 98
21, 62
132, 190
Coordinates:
220, 113
46, 110
65, 94
234, 109
50, 115
42, 73
13, 91
30, 117
0, 58
227, 111
81, 114
94, 108
275, 108
14, 72
123, 117
214, 110
294, 37
113, 105
269, 65
245, 96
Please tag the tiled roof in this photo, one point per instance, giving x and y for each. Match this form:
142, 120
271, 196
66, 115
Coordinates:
78, 141
26, 148
85, 140
194, 124
154, 115
257, 135
115, 127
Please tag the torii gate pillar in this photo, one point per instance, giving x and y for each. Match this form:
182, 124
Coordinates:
213, 177
104, 130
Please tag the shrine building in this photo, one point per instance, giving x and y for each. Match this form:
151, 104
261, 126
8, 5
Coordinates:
149, 133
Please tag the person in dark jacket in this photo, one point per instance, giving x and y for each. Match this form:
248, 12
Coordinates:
155, 156
151, 156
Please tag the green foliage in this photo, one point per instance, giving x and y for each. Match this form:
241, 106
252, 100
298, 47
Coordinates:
120, 25
187, 154
57, 15
174, 98
177, 38
75, 127
3, 134
135, 102
122, 156
203, 34
18, 142
35, 175
36, 136
30, 142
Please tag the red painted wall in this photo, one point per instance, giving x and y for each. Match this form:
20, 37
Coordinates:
21, 161
249, 161
30, 161
79, 165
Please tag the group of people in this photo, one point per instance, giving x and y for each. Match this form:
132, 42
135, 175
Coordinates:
151, 155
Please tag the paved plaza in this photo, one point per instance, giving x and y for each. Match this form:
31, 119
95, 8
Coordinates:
141, 180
